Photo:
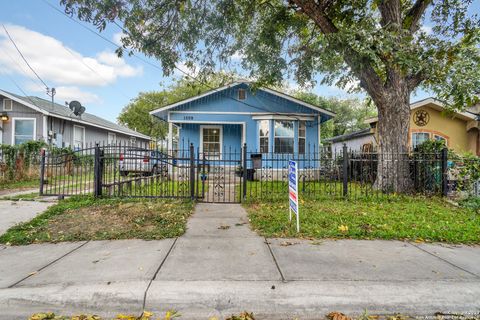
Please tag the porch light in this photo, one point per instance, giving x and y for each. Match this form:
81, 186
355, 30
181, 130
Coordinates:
4, 117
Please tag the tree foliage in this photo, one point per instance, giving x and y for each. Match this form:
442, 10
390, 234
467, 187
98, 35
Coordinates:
350, 113
136, 114
378, 42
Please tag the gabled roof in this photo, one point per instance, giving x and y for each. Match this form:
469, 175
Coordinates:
271, 91
435, 104
349, 136
59, 111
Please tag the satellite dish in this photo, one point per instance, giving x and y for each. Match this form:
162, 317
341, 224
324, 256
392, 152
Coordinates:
76, 108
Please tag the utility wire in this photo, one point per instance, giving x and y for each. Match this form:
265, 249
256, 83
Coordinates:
313, 123
22, 69
23, 57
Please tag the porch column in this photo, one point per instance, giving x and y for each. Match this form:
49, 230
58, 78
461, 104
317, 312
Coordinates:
170, 149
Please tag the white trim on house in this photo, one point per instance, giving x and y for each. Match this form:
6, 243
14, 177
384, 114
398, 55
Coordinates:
295, 100
34, 135
277, 93
73, 136
23, 102
220, 127
45, 128
111, 134
268, 136
11, 105
283, 117
168, 107
245, 113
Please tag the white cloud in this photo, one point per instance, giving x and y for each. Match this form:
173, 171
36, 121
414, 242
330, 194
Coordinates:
237, 56
117, 38
426, 29
67, 93
59, 65
185, 70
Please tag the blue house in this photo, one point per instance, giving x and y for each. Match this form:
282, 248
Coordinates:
221, 121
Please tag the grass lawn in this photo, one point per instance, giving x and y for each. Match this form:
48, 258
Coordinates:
27, 184
26, 196
86, 218
395, 217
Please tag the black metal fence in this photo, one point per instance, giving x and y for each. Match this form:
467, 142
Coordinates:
237, 174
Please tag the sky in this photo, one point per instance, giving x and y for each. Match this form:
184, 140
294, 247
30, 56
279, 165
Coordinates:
80, 65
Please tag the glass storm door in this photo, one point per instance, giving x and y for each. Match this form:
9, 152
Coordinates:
211, 142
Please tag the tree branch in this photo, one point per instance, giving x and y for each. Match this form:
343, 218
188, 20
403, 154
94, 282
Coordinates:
391, 13
361, 67
413, 16
316, 12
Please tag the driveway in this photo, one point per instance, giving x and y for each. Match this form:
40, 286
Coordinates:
220, 267
14, 212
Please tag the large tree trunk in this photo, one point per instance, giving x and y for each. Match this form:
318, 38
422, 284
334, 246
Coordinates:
393, 170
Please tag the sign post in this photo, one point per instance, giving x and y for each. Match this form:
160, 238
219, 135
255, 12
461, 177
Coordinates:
293, 191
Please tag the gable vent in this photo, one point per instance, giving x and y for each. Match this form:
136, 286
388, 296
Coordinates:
7, 104
242, 94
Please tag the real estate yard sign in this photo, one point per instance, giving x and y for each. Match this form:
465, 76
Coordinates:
293, 191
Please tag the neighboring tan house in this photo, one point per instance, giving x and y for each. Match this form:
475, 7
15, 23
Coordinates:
32, 118
428, 120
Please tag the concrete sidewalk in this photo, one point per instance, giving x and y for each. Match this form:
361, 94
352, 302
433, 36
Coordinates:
220, 267
14, 212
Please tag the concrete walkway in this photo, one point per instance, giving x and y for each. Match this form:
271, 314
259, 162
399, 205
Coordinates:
220, 267
14, 212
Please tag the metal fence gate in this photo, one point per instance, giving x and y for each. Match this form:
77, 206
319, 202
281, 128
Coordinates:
124, 170
143, 172
220, 176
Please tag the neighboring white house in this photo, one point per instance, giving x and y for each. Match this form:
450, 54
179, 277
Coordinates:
355, 141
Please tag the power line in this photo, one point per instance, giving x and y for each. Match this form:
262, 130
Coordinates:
177, 68
23, 57
22, 69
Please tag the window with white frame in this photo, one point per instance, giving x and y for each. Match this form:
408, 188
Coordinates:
302, 135
112, 137
284, 136
7, 104
23, 130
211, 142
418, 138
78, 136
438, 137
264, 132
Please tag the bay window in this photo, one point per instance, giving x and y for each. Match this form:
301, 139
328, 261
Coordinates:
302, 134
264, 132
284, 136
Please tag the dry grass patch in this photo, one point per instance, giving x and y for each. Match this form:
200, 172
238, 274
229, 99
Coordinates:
89, 219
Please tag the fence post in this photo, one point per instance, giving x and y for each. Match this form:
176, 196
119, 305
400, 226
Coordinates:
444, 172
244, 171
192, 171
97, 172
345, 170
42, 171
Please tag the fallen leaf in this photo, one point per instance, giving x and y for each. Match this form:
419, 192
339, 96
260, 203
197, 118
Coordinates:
288, 243
343, 228
224, 227
335, 315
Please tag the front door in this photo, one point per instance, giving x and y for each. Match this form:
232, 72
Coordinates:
220, 173
211, 139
